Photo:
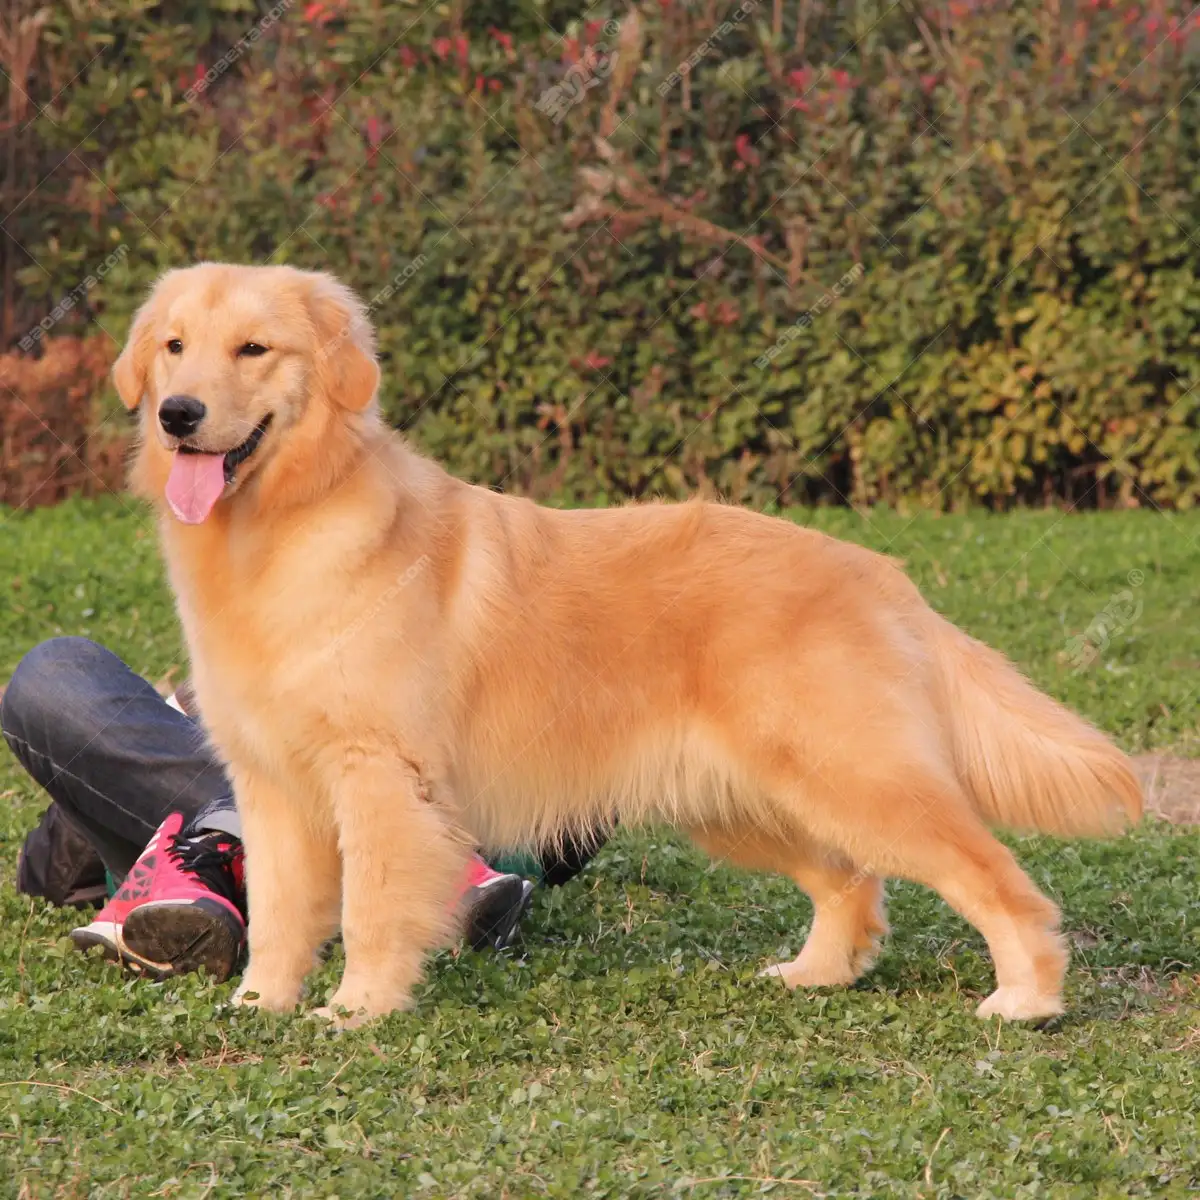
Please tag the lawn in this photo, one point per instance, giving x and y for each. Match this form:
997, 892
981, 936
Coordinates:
627, 1049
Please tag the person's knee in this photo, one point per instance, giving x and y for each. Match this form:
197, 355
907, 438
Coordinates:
41, 688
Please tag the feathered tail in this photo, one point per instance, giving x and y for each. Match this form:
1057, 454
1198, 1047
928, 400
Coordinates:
1025, 760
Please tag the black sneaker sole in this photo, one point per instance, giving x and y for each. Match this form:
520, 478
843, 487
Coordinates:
165, 939
494, 923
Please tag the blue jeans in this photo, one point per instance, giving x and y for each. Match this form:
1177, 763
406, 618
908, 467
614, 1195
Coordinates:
111, 753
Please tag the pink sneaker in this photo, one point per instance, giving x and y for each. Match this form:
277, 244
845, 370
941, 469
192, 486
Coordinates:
181, 907
492, 905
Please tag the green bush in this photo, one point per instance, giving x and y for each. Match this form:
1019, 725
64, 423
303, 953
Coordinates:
938, 253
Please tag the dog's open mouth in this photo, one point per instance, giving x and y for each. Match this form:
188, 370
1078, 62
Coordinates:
199, 477
238, 455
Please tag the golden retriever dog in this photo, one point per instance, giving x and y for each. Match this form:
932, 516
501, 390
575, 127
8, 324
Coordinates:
396, 665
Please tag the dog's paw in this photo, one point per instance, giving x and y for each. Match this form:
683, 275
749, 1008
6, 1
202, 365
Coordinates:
346, 1010
798, 973
342, 1018
252, 995
1020, 1004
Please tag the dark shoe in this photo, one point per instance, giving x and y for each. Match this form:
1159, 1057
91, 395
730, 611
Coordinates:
59, 863
493, 909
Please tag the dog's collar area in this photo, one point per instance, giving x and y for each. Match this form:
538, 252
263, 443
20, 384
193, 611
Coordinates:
238, 455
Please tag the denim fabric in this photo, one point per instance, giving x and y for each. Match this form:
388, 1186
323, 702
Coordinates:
109, 750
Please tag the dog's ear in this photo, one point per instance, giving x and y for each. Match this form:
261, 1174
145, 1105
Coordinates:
131, 370
344, 360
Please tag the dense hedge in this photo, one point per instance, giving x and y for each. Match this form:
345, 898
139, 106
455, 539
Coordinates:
50, 446
941, 252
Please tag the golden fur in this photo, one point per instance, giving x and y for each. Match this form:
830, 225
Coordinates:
396, 664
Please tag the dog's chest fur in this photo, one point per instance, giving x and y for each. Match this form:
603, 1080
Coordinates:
286, 638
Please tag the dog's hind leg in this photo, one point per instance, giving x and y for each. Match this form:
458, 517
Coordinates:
293, 883
848, 927
403, 866
914, 822
978, 876
848, 905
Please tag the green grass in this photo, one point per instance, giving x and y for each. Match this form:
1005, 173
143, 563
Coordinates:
628, 1049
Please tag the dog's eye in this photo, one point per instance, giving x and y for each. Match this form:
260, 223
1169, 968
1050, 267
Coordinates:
251, 350
174, 346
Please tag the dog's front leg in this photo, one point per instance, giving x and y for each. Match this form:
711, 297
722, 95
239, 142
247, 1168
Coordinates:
293, 885
402, 868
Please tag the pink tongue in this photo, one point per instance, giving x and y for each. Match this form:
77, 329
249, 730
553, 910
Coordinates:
195, 485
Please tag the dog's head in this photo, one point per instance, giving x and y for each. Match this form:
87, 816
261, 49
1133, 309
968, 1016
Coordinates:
232, 366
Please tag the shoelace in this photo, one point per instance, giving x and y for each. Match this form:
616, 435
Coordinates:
210, 857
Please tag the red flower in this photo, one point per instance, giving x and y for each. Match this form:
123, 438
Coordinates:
801, 80
505, 39
461, 49
479, 82
374, 137
195, 79
494, 85
374, 131
745, 151
802, 105
570, 50
408, 56
928, 83
841, 79
591, 29
595, 361
317, 13
699, 311
441, 47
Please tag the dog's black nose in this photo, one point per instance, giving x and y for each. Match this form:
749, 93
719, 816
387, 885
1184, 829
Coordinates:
181, 415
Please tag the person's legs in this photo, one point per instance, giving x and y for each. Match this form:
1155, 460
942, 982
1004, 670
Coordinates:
120, 763
135, 777
108, 749
561, 863
557, 863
